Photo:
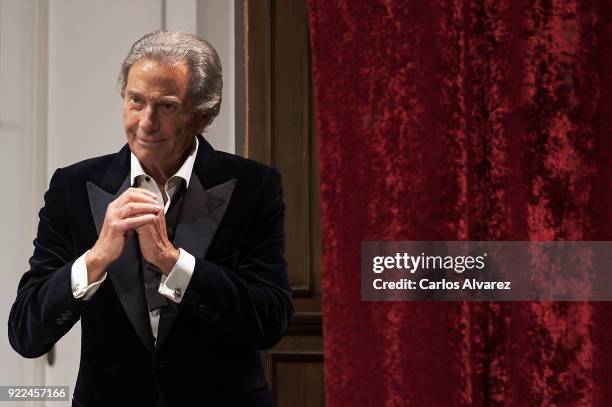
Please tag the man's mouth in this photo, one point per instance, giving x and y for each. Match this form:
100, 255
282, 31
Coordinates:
150, 141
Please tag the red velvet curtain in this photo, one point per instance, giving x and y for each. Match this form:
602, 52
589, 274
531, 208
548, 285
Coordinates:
462, 120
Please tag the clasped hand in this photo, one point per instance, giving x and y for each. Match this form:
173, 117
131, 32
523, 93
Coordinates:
135, 211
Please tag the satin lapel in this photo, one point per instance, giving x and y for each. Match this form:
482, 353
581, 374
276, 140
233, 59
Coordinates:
198, 221
125, 271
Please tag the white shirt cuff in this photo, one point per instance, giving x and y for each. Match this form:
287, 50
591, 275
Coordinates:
175, 283
78, 279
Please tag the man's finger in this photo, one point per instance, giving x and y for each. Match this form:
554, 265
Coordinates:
136, 195
136, 221
132, 209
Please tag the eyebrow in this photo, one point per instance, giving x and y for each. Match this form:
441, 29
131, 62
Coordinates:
162, 99
132, 93
169, 99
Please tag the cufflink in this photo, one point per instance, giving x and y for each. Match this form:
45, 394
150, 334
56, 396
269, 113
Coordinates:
177, 293
75, 288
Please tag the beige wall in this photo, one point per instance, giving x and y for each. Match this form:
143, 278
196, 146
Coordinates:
22, 161
59, 104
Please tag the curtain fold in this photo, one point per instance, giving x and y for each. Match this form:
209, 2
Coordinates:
462, 120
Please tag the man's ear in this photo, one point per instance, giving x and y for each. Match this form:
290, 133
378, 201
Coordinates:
204, 121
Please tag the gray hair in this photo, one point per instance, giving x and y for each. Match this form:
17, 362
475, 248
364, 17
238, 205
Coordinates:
206, 81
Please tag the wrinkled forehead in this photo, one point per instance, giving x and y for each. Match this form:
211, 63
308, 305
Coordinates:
155, 77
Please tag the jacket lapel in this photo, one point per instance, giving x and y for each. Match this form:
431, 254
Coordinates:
197, 224
125, 271
206, 200
203, 208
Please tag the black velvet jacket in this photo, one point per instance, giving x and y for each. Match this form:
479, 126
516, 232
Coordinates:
237, 302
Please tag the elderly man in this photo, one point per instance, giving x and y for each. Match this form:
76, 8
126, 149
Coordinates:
170, 253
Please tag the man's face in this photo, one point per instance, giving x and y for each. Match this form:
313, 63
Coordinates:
158, 116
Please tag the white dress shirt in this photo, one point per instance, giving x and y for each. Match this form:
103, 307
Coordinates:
175, 283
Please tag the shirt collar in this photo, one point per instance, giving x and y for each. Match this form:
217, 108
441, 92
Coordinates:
184, 172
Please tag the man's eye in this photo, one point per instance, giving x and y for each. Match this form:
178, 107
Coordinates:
168, 107
135, 100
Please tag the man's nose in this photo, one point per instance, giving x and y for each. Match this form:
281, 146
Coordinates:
149, 122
